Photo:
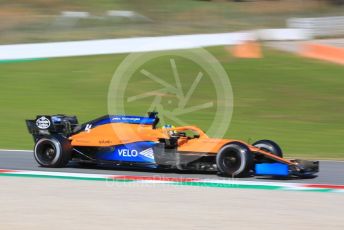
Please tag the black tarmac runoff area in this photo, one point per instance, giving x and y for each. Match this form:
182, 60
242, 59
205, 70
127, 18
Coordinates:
331, 172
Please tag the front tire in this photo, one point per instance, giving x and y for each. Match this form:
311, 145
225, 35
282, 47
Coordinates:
53, 152
234, 159
269, 146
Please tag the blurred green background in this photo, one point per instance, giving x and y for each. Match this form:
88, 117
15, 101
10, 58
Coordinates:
297, 102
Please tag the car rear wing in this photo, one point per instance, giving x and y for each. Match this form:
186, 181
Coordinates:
47, 125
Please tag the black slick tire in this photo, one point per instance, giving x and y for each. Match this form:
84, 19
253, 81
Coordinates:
234, 160
52, 151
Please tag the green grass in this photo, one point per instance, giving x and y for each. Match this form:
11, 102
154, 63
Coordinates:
295, 101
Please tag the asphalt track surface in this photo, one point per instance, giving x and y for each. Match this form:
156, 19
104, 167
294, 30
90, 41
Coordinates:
30, 203
331, 172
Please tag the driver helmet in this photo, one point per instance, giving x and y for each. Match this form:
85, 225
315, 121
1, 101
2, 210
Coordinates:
170, 130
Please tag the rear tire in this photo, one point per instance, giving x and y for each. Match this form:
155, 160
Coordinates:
234, 159
52, 151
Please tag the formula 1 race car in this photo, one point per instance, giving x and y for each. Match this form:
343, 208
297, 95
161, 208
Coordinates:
136, 141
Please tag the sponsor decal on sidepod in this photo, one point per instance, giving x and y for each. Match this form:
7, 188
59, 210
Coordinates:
134, 153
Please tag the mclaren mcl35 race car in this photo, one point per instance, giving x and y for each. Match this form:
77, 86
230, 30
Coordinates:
135, 141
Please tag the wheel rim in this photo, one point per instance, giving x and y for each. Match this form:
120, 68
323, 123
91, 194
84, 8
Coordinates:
231, 161
269, 146
266, 150
46, 153
269, 149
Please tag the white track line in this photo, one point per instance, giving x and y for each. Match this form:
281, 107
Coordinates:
15, 150
193, 182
